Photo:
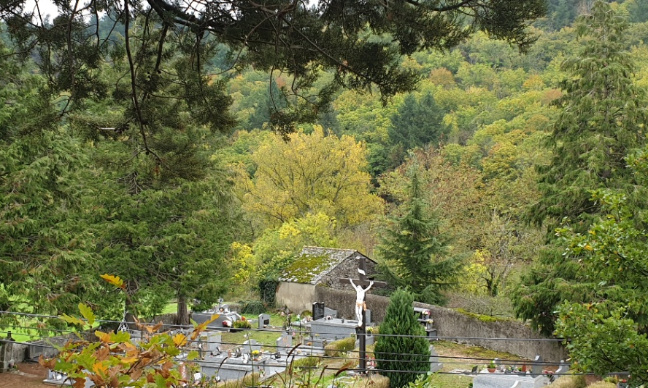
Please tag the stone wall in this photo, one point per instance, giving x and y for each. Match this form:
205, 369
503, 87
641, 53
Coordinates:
346, 269
457, 326
296, 296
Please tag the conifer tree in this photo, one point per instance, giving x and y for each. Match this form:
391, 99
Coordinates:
415, 253
402, 349
417, 123
602, 119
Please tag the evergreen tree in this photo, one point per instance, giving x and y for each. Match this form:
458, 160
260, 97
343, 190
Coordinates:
414, 252
46, 250
417, 123
602, 118
402, 349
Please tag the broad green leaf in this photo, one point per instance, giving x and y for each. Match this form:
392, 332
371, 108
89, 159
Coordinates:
87, 313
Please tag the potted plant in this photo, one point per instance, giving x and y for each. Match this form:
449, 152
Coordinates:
491, 367
241, 324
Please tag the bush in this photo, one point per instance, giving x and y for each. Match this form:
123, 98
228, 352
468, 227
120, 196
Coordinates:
254, 307
268, 290
402, 346
570, 382
378, 381
337, 348
599, 384
306, 362
251, 380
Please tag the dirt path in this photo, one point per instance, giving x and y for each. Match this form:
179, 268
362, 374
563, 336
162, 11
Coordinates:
28, 375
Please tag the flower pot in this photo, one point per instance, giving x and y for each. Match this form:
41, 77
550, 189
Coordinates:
491, 370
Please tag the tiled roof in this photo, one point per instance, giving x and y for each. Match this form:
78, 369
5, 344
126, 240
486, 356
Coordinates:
313, 263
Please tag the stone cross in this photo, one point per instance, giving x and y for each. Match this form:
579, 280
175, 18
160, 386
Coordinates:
361, 331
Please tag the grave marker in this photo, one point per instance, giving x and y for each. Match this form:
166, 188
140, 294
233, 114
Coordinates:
536, 366
318, 310
264, 320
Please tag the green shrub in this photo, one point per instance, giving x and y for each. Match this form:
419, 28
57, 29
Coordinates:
402, 346
306, 362
339, 347
254, 307
268, 290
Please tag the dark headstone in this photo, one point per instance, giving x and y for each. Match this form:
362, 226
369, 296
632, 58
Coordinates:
318, 310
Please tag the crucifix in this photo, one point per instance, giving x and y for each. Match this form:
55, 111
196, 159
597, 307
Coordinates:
362, 285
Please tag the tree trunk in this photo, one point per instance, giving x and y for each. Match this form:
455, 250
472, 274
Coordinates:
182, 314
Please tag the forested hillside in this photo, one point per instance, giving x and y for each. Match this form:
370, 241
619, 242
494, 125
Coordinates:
198, 166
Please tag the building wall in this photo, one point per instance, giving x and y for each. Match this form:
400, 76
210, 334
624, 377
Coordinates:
456, 326
296, 296
345, 270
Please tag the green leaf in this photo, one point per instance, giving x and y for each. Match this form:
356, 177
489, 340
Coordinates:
72, 320
160, 382
87, 313
122, 336
192, 355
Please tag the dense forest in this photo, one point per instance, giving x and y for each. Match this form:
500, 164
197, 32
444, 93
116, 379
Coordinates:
514, 170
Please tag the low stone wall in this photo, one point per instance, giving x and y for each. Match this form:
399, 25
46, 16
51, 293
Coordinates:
296, 296
457, 327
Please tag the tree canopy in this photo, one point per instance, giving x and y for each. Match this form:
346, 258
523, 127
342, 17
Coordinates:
602, 119
296, 37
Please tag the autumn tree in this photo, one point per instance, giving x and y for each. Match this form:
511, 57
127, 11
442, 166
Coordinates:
414, 251
309, 174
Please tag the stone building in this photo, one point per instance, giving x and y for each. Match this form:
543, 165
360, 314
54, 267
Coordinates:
318, 267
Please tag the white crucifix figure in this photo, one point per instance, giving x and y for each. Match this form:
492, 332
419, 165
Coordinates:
360, 306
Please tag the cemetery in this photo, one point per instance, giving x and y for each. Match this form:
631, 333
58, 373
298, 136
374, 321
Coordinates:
305, 338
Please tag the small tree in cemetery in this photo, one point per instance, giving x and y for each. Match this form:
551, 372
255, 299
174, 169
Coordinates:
402, 350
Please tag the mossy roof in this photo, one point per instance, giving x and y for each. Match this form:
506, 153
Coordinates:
313, 263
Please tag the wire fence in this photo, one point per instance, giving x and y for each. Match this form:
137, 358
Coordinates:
399, 360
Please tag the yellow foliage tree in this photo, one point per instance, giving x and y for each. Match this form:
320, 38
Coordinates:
308, 174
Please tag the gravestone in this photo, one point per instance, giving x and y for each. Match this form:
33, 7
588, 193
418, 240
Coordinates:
333, 329
284, 343
318, 310
7, 353
58, 378
501, 380
264, 320
435, 365
330, 312
251, 345
563, 369
536, 366
211, 341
